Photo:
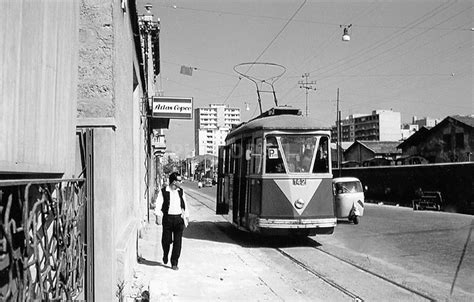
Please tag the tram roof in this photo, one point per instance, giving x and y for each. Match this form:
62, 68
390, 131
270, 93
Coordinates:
279, 122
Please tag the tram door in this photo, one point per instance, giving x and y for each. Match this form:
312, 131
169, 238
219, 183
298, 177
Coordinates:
222, 205
244, 181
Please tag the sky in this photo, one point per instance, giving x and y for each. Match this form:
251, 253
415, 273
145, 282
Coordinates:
414, 57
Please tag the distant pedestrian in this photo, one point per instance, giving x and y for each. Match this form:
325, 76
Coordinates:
172, 211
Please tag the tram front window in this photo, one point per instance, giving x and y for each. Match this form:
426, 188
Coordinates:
299, 153
299, 150
274, 162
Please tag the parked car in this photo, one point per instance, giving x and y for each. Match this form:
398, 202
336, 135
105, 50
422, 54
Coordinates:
207, 182
428, 200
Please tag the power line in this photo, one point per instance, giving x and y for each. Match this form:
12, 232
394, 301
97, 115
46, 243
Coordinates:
266, 48
219, 12
307, 86
398, 45
384, 41
390, 49
325, 44
203, 69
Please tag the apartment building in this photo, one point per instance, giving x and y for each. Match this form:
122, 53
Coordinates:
425, 122
211, 126
381, 125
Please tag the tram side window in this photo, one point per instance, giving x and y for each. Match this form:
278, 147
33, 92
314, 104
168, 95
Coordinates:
274, 161
321, 164
237, 156
232, 159
257, 158
226, 159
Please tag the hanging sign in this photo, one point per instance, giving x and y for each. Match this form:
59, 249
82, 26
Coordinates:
173, 107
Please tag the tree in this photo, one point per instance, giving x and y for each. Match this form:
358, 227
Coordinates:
200, 166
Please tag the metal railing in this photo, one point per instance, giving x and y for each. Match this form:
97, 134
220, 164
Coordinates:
42, 239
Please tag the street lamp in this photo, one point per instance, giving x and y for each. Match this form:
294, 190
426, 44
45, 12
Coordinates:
345, 34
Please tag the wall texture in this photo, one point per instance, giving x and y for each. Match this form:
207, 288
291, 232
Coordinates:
96, 36
109, 97
38, 80
397, 184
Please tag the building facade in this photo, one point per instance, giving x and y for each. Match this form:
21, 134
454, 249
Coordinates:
425, 122
372, 153
408, 130
381, 125
451, 140
211, 126
76, 69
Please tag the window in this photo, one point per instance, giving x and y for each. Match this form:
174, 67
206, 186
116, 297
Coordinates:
348, 187
298, 150
226, 159
459, 140
274, 161
294, 153
447, 142
321, 164
257, 156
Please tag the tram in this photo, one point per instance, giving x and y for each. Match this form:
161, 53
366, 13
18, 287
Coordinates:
275, 176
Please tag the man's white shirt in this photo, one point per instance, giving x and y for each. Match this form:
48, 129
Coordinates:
175, 203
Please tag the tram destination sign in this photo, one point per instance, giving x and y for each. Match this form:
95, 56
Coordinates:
172, 107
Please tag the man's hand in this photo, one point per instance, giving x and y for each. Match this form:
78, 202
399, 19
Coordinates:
186, 221
159, 219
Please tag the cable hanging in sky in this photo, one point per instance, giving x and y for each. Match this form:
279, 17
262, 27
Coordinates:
266, 48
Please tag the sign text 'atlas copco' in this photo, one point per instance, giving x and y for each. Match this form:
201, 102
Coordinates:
173, 108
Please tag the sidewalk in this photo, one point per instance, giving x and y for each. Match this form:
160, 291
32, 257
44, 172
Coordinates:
211, 268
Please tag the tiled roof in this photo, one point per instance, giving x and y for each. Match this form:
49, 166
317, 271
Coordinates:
468, 120
381, 147
415, 138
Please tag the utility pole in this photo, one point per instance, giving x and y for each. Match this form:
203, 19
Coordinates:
338, 130
307, 86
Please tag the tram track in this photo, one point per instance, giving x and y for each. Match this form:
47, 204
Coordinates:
342, 270
335, 285
339, 285
376, 275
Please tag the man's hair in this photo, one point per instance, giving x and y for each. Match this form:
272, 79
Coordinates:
173, 176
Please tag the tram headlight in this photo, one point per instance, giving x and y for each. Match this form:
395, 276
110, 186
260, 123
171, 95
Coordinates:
299, 203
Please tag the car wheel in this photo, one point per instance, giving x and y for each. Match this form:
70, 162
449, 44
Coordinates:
355, 219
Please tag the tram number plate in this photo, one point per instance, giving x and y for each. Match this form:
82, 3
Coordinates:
299, 181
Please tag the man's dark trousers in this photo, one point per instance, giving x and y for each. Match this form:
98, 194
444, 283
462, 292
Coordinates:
173, 226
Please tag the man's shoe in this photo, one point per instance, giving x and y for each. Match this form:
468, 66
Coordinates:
165, 260
175, 267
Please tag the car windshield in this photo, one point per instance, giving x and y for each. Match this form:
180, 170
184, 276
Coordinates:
348, 187
296, 154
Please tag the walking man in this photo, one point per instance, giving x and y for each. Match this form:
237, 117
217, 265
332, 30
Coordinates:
171, 210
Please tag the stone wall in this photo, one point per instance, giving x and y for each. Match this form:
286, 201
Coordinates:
96, 55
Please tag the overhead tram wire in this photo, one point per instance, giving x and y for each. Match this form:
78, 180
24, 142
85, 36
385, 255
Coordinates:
218, 12
323, 46
202, 69
385, 40
390, 49
328, 40
371, 58
400, 80
266, 48
444, 54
